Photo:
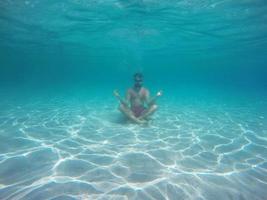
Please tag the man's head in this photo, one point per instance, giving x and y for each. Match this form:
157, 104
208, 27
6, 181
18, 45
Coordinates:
138, 79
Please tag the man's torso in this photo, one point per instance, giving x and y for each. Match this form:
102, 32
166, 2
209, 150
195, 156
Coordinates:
137, 98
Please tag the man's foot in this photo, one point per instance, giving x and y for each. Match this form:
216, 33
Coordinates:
140, 121
144, 118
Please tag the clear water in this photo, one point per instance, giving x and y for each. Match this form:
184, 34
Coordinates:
61, 135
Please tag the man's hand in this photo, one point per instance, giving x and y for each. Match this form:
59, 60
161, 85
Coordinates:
116, 93
159, 93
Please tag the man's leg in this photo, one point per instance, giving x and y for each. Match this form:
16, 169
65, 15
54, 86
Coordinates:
125, 110
149, 112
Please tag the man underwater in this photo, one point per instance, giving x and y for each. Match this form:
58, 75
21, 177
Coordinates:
138, 106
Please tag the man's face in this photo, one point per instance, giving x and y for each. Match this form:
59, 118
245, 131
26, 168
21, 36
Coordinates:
138, 81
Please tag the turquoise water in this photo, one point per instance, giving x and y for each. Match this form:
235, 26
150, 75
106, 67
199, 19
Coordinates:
62, 136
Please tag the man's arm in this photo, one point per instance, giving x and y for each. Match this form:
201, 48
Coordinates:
153, 99
122, 101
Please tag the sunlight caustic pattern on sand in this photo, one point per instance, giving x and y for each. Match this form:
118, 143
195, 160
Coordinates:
56, 150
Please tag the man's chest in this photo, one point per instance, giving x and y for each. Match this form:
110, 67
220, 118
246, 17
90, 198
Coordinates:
141, 94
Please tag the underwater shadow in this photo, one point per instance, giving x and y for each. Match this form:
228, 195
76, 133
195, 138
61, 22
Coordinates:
119, 119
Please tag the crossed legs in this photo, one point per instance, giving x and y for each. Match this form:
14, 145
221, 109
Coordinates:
141, 119
149, 111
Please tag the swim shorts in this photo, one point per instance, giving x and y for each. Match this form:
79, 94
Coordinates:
138, 110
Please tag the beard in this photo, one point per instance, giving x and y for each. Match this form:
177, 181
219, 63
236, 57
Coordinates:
138, 85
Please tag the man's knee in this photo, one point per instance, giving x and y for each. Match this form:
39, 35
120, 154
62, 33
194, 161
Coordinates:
123, 108
152, 109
